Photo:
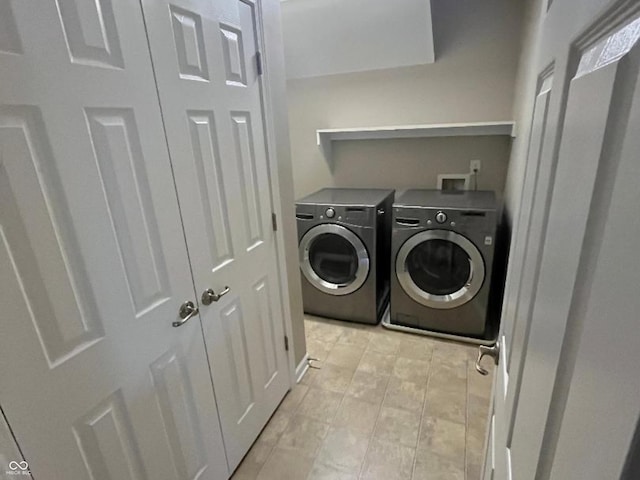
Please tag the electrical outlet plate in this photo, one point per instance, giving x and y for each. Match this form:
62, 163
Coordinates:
475, 166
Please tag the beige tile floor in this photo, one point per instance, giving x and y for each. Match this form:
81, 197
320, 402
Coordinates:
383, 405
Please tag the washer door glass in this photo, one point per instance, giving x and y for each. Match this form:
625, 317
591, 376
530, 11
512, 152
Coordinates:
439, 266
333, 258
440, 269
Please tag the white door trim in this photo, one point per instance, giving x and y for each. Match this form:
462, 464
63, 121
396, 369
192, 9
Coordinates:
274, 181
302, 367
551, 354
10, 450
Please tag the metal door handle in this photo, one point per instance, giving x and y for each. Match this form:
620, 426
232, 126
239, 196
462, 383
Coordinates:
187, 310
492, 351
209, 296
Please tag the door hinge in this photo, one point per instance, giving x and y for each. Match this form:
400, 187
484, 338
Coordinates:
286, 343
274, 222
259, 62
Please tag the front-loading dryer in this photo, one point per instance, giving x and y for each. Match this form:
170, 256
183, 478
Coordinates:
344, 239
442, 260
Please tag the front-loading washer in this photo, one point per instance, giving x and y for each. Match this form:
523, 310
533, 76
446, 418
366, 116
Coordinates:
442, 260
344, 239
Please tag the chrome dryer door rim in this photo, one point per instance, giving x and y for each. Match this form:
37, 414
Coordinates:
320, 283
460, 297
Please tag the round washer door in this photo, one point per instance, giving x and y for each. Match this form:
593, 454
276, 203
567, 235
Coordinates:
334, 259
440, 269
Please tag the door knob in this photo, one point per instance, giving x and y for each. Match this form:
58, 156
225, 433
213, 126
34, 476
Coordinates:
187, 310
491, 351
209, 296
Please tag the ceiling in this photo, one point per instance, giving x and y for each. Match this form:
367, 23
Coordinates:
328, 37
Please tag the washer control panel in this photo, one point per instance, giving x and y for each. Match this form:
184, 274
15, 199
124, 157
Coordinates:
357, 216
458, 219
441, 217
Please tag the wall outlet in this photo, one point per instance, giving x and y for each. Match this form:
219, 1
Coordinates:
474, 166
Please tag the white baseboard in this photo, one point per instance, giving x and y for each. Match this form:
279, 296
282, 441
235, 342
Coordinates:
302, 367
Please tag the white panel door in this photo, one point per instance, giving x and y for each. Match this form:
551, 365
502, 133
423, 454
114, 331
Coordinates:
11, 460
602, 359
552, 399
204, 54
531, 226
95, 381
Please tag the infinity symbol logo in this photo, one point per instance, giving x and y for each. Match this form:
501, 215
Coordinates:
13, 465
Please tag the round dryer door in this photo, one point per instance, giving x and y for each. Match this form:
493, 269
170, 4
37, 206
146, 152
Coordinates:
440, 269
334, 259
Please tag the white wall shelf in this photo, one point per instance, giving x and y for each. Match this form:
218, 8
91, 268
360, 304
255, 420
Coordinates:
326, 136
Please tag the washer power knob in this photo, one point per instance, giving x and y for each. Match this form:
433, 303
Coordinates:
441, 217
330, 213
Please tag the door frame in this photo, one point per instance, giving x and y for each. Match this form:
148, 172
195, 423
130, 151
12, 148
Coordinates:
267, 100
610, 15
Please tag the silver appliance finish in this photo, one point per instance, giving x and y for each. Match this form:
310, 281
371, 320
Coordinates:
360, 221
343, 288
464, 221
451, 300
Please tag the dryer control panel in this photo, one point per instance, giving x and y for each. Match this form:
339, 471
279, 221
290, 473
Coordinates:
417, 217
352, 215
441, 217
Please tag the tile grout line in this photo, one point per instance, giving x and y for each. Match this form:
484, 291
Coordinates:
344, 394
424, 408
293, 414
330, 421
375, 423
275, 444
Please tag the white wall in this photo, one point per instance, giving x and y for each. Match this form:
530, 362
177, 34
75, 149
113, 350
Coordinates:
524, 97
370, 163
477, 48
325, 37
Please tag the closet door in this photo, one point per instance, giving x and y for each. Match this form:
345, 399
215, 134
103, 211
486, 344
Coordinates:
204, 54
11, 460
568, 356
95, 381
